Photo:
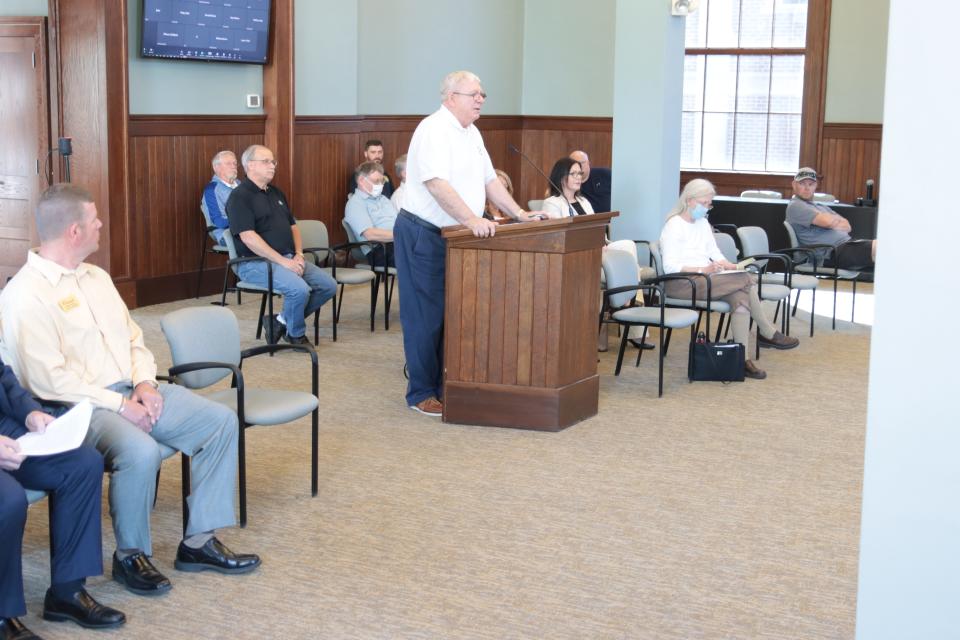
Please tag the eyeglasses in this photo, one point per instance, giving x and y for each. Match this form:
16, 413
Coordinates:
473, 95
576, 174
265, 161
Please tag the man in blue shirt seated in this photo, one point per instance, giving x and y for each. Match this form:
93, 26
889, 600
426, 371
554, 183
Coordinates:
74, 480
215, 194
371, 215
816, 223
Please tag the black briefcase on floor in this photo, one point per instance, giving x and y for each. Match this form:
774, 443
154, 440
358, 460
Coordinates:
718, 361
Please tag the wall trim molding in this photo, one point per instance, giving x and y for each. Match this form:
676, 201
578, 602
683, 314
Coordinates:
195, 125
854, 131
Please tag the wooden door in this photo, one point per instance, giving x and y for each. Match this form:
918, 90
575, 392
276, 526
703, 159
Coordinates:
24, 132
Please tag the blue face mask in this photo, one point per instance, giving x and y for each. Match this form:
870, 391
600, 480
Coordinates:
698, 212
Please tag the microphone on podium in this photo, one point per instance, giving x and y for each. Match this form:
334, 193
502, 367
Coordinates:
531, 163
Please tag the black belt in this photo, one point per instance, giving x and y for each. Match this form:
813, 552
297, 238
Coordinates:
419, 221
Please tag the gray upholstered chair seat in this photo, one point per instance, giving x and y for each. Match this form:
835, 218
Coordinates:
843, 274
672, 318
268, 406
775, 292
804, 283
202, 340
249, 286
347, 275
718, 306
390, 270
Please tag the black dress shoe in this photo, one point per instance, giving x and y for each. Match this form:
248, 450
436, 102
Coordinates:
296, 339
214, 556
13, 629
82, 609
278, 329
138, 575
642, 345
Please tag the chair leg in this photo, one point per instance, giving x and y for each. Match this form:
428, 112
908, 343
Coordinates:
853, 300
315, 453
242, 473
666, 347
263, 307
203, 259
389, 282
374, 294
185, 489
834, 304
316, 326
623, 347
813, 307
335, 310
660, 370
643, 338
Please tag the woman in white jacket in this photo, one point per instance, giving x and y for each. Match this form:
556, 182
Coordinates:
567, 175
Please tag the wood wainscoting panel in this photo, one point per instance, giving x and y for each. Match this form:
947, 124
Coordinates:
169, 167
850, 156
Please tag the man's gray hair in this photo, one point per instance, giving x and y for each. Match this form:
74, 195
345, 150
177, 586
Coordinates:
60, 206
217, 159
453, 79
366, 168
400, 164
696, 188
248, 154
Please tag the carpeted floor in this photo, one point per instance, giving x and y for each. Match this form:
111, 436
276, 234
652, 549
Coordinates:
713, 512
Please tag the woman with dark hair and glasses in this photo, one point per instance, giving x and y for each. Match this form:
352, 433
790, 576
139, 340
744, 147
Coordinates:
567, 174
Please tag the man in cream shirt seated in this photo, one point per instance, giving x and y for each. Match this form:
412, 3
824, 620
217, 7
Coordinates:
69, 337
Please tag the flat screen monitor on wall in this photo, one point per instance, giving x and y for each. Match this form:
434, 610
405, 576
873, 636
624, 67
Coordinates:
220, 30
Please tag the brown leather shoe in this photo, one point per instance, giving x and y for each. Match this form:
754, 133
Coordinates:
751, 370
779, 341
429, 407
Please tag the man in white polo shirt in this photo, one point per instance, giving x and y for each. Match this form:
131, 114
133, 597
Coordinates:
449, 179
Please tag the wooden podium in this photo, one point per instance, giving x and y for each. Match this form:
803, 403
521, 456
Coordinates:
520, 335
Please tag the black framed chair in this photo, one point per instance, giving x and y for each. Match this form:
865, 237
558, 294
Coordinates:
620, 306
205, 348
316, 241
266, 293
215, 248
809, 264
756, 245
386, 274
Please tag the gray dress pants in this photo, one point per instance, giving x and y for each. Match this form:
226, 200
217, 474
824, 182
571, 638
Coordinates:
204, 430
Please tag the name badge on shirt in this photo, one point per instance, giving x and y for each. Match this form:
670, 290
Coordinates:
69, 303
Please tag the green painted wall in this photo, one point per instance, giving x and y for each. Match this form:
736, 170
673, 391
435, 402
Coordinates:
568, 54
857, 60
23, 8
406, 47
325, 54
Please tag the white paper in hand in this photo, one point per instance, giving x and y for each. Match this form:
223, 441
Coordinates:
63, 434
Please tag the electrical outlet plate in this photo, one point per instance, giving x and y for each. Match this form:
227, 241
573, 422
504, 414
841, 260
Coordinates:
253, 101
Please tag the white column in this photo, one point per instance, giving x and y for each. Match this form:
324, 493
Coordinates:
647, 100
909, 585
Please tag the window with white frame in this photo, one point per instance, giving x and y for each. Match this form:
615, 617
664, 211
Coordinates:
743, 85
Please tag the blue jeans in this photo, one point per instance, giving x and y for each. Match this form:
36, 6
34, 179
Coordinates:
421, 275
302, 295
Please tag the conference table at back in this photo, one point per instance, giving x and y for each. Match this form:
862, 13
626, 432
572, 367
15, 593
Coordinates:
770, 214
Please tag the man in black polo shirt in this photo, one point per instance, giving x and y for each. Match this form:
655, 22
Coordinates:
262, 225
